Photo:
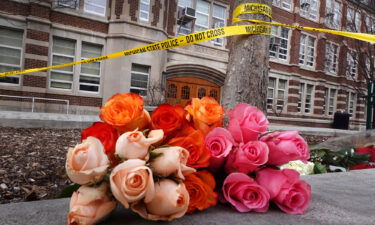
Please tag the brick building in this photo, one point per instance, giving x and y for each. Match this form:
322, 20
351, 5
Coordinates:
309, 78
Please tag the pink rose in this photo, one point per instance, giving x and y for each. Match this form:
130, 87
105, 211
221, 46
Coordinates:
87, 162
89, 204
171, 201
247, 157
172, 161
285, 147
132, 181
134, 145
245, 194
246, 123
290, 194
219, 142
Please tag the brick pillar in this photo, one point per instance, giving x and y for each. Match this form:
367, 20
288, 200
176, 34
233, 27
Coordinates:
321, 49
156, 11
172, 17
319, 99
360, 109
134, 6
36, 55
293, 96
342, 100
294, 55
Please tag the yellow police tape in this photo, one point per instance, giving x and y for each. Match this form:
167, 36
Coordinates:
260, 27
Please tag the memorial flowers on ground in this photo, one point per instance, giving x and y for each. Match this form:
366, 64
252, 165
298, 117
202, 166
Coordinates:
182, 160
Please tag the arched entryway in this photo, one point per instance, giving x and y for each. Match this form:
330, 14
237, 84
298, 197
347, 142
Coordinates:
187, 81
180, 90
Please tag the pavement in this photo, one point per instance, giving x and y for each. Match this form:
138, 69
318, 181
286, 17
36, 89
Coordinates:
337, 198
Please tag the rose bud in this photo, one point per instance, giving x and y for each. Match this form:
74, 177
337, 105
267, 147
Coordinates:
171, 201
132, 181
171, 160
290, 194
125, 112
285, 147
87, 162
245, 194
88, 205
247, 157
219, 142
246, 122
134, 145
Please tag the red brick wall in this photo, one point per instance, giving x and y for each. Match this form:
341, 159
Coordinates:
119, 4
134, 5
34, 63
171, 21
34, 81
37, 35
156, 10
36, 49
75, 21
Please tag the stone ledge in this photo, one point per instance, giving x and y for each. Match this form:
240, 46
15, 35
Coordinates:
337, 198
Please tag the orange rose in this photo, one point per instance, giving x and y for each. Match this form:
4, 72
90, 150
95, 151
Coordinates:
125, 112
206, 113
200, 186
169, 118
193, 141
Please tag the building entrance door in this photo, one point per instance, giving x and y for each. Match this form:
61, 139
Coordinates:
181, 90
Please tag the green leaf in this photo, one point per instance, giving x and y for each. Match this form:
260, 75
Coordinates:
164, 146
319, 168
145, 132
154, 155
68, 191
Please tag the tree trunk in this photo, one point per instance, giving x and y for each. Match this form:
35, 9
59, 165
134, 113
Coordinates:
247, 73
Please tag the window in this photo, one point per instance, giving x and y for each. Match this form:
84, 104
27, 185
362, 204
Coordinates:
185, 92
202, 14
68, 3
305, 98
353, 20
331, 57
306, 50
214, 94
276, 94
89, 79
309, 9
184, 29
370, 25
279, 42
218, 20
139, 79
10, 53
97, 7
325, 101
352, 63
63, 51
201, 92
330, 101
333, 14
351, 103
284, 4
144, 10
172, 91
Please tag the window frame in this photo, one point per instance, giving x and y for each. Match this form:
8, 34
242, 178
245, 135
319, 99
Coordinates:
221, 43
281, 5
334, 12
328, 68
90, 75
347, 25
354, 100
59, 4
308, 12
304, 64
141, 73
327, 99
275, 92
50, 80
148, 11
277, 53
203, 13
349, 73
93, 12
302, 98
22, 57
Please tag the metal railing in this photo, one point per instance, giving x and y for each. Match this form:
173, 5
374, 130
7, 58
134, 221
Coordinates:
38, 98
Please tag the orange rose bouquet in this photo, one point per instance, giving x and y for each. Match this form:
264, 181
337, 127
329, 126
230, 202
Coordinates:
158, 166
